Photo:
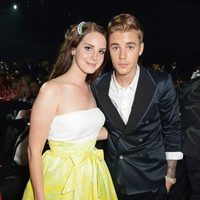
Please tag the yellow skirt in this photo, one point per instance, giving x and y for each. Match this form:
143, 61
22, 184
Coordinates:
74, 172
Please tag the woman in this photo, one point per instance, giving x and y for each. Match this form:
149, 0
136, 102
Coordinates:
65, 113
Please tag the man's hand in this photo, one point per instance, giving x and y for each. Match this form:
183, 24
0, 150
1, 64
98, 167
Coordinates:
171, 174
169, 182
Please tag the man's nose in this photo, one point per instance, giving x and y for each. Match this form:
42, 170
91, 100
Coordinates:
122, 54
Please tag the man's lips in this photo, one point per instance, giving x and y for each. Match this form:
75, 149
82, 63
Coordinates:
123, 65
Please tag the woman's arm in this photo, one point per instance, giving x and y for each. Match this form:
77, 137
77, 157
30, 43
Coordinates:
103, 134
43, 111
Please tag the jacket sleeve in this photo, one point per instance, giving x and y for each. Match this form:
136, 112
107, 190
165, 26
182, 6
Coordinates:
170, 115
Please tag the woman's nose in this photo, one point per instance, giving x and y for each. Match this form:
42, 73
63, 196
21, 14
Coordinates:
94, 55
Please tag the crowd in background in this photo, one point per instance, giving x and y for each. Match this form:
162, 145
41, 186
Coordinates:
16, 78
20, 79
20, 82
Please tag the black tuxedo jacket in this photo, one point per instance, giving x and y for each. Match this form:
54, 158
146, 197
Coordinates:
190, 118
135, 152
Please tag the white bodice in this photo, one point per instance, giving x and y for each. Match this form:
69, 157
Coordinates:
77, 126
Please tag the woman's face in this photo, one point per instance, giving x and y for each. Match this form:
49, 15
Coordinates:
89, 54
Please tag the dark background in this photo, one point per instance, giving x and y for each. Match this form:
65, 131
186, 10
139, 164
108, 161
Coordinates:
36, 29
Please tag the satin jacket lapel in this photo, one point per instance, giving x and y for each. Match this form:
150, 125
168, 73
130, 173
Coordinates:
144, 94
105, 102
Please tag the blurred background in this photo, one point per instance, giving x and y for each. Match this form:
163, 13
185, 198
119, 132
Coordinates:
35, 28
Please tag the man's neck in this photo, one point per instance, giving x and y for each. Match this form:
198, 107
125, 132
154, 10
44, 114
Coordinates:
125, 80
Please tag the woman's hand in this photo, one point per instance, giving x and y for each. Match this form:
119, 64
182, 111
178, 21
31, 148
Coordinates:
103, 134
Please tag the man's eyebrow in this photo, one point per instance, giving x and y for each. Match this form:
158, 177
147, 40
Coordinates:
114, 43
129, 43
134, 43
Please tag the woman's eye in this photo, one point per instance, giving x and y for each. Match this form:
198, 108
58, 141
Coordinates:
88, 48
102, 52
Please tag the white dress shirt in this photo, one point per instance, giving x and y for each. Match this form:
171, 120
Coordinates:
123, 98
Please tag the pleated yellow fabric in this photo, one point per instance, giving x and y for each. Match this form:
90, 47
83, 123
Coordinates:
74, 171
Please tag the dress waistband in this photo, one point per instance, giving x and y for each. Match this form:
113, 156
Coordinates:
76, 159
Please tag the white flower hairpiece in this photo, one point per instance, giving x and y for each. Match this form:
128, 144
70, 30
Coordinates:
80, 28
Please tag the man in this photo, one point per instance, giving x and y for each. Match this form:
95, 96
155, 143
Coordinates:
188, 184
142, 117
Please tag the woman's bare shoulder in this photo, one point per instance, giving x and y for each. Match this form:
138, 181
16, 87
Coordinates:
49, 88
62, 84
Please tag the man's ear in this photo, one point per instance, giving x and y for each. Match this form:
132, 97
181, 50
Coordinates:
141, 48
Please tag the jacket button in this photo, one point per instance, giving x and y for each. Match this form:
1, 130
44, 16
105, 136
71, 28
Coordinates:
140, 140
121, 157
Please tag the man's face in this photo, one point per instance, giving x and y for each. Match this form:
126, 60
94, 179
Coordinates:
125, 49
